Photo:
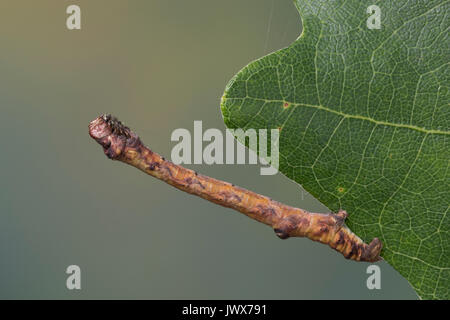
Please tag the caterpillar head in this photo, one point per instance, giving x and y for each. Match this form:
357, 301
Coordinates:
112, 135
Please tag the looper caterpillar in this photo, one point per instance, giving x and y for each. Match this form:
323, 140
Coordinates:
120, 143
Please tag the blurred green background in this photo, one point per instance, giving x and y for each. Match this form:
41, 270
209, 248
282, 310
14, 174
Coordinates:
158, 65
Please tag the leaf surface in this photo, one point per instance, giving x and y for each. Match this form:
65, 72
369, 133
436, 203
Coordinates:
364, 124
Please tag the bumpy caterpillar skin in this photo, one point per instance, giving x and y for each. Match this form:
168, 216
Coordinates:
120, 143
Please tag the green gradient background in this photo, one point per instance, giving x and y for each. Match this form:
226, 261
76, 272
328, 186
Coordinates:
158, 66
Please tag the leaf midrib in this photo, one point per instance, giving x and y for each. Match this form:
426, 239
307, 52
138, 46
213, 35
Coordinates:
345, 115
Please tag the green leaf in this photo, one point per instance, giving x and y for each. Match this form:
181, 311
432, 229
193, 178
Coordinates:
364, 120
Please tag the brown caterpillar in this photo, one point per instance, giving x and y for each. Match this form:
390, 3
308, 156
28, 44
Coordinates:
120, 143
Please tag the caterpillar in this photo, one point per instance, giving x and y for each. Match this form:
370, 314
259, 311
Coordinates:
122, 144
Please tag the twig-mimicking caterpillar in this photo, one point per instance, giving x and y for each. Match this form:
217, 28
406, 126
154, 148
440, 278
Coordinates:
120, 143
